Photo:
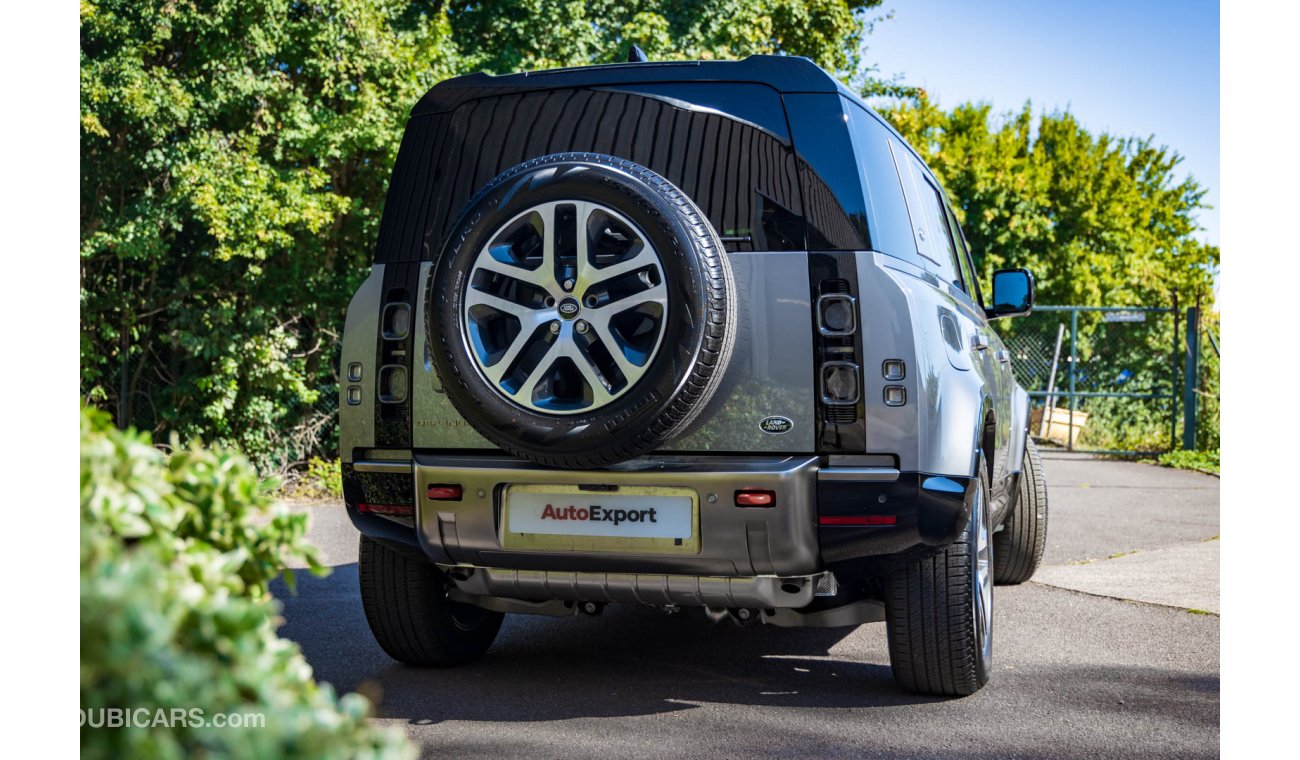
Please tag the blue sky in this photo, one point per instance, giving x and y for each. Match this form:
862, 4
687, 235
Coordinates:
1127, 68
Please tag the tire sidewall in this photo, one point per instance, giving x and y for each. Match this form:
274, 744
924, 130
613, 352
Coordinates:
981, 627
638, 410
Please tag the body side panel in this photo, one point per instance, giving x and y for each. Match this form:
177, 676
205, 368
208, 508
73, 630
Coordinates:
937, 430
360, 333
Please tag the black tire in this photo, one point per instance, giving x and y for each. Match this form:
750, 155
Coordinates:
1018, 547
405, 599
940, 642
698, 333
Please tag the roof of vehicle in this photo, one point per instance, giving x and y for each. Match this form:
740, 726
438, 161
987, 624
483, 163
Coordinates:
783, 73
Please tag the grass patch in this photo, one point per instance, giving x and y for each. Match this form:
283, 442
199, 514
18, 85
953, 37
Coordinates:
1201, 461
321, 480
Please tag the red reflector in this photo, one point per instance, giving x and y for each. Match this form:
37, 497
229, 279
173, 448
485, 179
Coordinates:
858, 520
755, 498
444, 492
386, 509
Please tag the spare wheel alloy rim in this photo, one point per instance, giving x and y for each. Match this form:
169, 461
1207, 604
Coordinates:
565, 308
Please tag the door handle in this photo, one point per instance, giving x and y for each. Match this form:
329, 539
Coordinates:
979, 341
1003, 355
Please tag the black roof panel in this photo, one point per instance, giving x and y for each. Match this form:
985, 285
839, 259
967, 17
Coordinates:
783, 73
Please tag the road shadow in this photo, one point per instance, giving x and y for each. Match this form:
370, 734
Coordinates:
629, 661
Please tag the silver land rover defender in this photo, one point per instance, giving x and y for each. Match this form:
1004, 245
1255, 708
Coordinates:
699, 334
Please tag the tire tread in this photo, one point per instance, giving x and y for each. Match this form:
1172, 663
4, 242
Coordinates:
406, 609
1018, 548
933, 643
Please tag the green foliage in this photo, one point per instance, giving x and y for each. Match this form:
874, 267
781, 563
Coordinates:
323, 479
235, 158
515, 35
1204, 461
1126, 424
1207, 386
176, 557
1098, 219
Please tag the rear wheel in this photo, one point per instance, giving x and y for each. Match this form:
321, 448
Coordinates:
406, 604
939, 611
1018, 547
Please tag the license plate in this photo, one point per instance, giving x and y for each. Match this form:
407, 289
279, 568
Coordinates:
638, 519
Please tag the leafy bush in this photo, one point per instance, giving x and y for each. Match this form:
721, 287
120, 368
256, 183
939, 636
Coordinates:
235, 161
323, 479
1205, 461
1207, 386
1099, 219
177, 555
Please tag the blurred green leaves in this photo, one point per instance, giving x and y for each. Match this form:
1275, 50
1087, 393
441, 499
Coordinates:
177, 554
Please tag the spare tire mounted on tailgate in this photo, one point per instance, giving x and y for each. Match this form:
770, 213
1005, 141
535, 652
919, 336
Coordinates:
581, 312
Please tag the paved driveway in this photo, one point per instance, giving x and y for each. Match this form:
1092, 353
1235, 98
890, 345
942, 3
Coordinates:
1080, 671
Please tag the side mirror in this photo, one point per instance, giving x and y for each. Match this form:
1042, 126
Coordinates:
1013, 293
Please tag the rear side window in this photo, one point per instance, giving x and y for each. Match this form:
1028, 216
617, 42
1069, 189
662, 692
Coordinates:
963, 256
934, 239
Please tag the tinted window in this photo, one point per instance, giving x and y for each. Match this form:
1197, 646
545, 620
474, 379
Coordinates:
929, 222
836, 210
963, 257
943, 253
891, 232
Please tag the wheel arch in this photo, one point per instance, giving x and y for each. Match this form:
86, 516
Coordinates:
1019, 430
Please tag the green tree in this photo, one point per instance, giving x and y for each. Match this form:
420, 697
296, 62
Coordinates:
235, 156
1098, 219
512, 35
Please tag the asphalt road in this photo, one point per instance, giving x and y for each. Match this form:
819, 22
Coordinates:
1076, 673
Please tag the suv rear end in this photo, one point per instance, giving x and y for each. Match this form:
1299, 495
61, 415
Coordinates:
776, 427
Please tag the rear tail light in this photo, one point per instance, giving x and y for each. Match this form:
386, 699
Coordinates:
753, 497
397, 321
841, 383
392, 384
445, 492
836, 315
837, 351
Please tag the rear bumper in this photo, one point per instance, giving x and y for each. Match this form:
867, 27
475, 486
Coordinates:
823, 515
768, 558
734, 541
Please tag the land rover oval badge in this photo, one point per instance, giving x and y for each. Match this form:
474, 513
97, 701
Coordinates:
776, 425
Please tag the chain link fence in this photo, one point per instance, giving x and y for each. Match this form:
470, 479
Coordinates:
1101, 379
